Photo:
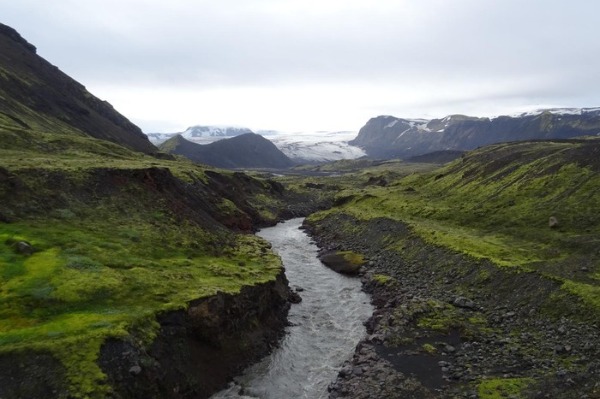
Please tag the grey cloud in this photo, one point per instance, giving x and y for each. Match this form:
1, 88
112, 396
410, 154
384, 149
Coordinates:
243, 43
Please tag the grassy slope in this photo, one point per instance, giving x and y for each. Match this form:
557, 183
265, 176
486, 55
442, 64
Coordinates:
496, 202
107, 259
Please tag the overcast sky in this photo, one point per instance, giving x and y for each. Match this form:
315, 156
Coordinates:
318, 64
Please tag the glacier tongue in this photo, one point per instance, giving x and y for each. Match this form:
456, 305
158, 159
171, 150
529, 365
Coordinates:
316, 147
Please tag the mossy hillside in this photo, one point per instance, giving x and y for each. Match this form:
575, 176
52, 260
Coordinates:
325, 184
119, 237
495, 203
92, 279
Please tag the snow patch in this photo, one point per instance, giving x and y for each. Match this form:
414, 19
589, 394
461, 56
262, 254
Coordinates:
554, 111
391, 124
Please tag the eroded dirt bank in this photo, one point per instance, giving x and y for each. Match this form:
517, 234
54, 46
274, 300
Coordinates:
198, 350
450, 326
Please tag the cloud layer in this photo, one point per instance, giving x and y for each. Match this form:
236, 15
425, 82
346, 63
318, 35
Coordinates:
328, 64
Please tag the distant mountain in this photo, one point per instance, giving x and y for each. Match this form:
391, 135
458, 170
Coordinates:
248, 150
36, 95
197, 133
391, 137
300, 147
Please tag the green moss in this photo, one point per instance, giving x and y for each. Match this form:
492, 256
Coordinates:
498, 388
352, 257
429, 348
382, 278
590, 294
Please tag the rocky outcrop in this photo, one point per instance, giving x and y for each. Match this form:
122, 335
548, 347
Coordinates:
197, 201
391, 137
198, 350
245, 151
30, 375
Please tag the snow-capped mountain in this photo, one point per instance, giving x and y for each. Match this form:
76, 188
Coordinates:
301, 147
559, 111
390, 137
201, 134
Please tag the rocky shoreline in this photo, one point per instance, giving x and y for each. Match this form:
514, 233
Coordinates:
450, 326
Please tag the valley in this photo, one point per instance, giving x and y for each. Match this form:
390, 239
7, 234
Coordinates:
131, 272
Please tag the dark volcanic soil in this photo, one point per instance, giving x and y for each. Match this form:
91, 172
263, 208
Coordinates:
444, 323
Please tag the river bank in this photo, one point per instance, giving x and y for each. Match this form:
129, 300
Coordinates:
323, 328
450, 326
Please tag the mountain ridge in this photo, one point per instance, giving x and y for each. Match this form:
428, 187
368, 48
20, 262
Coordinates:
248, 150
199, 132
390, 137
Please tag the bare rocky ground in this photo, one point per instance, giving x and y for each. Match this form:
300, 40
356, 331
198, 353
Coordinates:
449, 326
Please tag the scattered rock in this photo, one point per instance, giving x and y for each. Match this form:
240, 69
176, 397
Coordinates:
465, 303
294, 297
135, 370
24, 248
487, 347
552, 222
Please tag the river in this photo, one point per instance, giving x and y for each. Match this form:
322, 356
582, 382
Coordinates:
325, 327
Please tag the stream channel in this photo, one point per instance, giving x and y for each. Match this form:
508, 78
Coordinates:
325, 327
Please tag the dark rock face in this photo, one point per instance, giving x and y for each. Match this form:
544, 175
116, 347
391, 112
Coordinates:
197, 351
390, 137
30, 375
35, 92
244, 151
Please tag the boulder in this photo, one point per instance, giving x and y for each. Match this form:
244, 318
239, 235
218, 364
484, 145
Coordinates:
344, 262
24, 248
465, 303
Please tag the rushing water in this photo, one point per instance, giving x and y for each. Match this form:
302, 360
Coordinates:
326, 325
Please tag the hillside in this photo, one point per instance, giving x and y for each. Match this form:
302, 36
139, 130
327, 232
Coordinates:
111, 256
389, 137
485, 273
35, 96
244, 151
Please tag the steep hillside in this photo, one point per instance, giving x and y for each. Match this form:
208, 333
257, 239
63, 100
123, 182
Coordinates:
485, 274
123, 274
390, 137
36, 96
244, 151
